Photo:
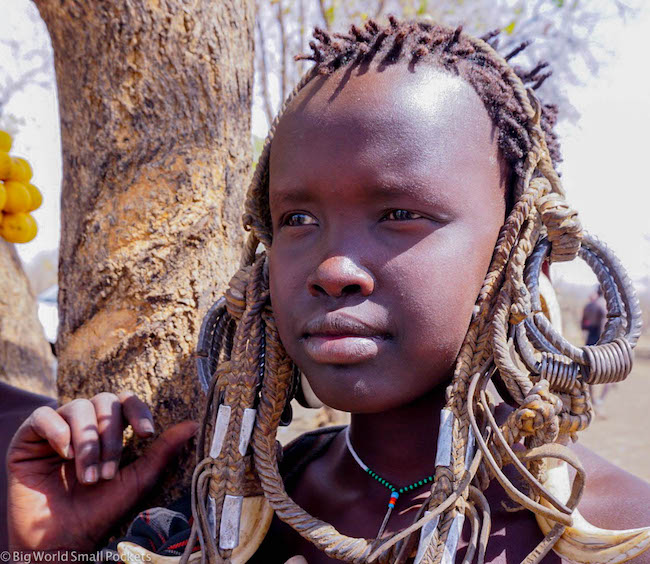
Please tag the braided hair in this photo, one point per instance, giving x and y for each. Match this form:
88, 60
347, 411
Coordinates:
255, 378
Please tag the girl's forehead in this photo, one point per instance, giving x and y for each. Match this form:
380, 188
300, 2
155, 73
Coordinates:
387, 118
383, 92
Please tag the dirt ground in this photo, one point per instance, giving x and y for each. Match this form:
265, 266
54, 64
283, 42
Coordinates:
620, 432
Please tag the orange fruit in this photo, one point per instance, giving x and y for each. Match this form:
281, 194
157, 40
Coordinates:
18, 227
5, 141
3, 195
5, 165
36, 196
20, 170
18, 198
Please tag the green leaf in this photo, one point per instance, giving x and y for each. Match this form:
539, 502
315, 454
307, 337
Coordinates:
422, 8
559, 3
510, 27
329, 15
258, 145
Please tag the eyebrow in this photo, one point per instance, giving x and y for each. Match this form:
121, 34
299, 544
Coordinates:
419, 191
291, 194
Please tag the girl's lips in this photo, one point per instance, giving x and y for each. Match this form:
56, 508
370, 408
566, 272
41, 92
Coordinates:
342, 349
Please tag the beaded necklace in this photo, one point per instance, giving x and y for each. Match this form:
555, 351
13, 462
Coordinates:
394, 491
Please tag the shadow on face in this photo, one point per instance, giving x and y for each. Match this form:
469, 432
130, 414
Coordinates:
387, 194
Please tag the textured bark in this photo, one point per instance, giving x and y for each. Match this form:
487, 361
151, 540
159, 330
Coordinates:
26, 359
155, 100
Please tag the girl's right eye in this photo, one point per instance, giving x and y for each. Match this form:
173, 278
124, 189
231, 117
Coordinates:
297, 219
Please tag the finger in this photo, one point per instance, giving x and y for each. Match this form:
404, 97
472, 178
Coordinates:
80, 415
43, 425
108, 410
137, 414
142, 475
297, 560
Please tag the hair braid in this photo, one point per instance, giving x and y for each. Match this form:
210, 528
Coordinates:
552, 397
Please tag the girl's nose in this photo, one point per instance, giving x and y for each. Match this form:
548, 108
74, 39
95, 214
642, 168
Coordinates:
338, 276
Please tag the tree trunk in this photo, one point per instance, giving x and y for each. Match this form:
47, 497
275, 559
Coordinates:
26, 359
155, 102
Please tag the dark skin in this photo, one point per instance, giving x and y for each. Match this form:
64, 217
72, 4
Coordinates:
387, 197
385, 213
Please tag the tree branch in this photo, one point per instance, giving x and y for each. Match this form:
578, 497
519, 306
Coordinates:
301, 34
323, 12
283, 52
264, 71
380, 8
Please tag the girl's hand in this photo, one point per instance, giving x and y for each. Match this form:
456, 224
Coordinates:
65, 487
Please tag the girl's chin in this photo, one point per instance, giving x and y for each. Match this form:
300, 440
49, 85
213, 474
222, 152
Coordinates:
357, 396
366, 391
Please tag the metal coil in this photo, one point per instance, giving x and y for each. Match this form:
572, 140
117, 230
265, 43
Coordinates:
524, 348
561, 372
209, 345
623, 312
609, 362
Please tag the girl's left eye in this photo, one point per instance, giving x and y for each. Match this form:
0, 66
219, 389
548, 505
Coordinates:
296, 219
401, 215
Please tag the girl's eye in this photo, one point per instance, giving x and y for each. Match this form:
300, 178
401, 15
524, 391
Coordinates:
297, 219
401, 215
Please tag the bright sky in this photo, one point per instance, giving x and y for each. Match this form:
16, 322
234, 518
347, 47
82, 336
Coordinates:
605, 171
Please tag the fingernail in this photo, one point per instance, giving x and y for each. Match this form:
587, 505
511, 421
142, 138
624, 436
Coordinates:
147, 426
109, 469
68, 452
90, 475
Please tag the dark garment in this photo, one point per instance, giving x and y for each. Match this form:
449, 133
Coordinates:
593, 334
593, 319
166, 531
16, 405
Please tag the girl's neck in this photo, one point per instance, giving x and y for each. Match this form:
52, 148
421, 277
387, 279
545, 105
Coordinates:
400, 444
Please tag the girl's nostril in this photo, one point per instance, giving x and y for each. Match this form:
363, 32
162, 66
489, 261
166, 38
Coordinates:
352, 289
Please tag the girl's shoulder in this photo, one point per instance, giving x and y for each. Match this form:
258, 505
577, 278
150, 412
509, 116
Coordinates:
613, 498
304, 449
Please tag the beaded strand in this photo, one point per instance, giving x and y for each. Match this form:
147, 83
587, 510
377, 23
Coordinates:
395, 492
391, 487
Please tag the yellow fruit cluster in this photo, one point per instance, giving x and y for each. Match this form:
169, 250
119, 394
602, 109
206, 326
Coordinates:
17, 196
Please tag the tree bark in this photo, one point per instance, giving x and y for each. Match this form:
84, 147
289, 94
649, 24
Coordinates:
155, 104
26, 359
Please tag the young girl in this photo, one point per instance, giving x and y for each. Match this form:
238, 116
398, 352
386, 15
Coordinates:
407, 164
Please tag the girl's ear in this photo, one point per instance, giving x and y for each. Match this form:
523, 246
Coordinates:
305, 396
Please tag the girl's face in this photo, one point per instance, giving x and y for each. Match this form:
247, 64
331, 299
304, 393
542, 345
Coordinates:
387, 194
